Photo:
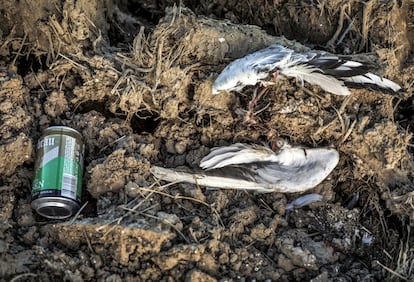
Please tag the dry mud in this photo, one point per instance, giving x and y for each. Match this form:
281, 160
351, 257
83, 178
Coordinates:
134, 77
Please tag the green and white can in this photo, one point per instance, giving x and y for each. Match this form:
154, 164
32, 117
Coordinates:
57, 184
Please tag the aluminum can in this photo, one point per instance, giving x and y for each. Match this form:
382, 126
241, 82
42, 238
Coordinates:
57, 184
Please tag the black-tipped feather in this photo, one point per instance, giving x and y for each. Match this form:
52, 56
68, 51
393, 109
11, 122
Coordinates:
338, 68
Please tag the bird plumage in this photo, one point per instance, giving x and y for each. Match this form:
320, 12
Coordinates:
332, 73
253, 167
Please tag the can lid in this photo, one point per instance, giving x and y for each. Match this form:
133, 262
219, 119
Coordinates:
55, 207
62, 128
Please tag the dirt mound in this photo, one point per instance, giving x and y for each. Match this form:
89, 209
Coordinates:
135, 80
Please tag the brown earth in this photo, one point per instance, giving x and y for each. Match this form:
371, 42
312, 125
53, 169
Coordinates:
134, 77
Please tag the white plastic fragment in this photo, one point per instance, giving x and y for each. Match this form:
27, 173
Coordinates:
367, 239
304, 201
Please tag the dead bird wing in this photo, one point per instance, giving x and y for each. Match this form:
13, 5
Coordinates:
236, 154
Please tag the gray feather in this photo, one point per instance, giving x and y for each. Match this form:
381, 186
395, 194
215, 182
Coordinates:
314, 76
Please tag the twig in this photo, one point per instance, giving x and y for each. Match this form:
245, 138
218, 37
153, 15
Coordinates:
345, 32
348, 132
366, 14
266, 205
131, 65
341, 120
392, 271
387, 254
77, 214
112, 143
88, 241
344, 103
20, 49
73, 62
38, 81
331, 42
23, 275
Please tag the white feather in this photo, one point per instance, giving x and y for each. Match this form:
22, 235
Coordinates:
352, 64
315, 77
